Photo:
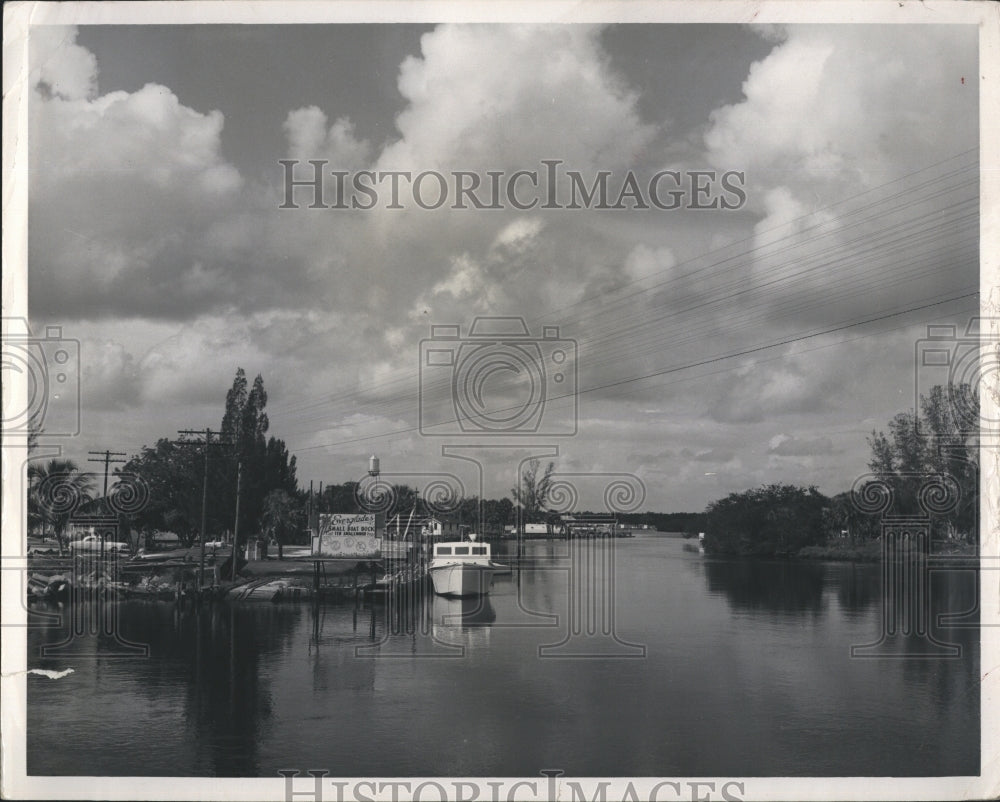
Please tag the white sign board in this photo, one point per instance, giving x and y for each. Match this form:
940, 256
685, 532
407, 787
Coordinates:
348, 536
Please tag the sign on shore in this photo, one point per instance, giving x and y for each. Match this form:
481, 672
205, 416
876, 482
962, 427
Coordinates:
349, 535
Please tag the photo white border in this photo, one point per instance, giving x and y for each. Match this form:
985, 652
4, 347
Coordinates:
19, 15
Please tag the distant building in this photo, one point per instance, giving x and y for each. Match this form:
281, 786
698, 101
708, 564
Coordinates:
438, 528
589, 525
402, 526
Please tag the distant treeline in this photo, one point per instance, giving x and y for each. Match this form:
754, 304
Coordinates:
689, 522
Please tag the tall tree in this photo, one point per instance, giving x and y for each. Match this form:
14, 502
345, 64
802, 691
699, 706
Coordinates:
533, 494
255, 421
933, 442
266, 464
174, 472
236, 400
953, 448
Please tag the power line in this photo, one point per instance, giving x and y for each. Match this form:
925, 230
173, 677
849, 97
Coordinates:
106, 458
880, 246
642, 337
667, 371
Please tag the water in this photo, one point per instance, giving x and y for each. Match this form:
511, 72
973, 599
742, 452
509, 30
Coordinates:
746, 672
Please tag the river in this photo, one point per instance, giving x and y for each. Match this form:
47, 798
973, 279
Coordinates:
696, 667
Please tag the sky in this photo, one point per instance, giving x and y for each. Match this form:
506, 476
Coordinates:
706, 350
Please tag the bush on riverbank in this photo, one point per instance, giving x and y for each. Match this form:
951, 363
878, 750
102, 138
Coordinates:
771, 521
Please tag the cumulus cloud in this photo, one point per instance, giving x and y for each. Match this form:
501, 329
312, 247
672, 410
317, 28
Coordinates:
766, 390
146, 137
124, 188
309, 137
518, 234
138, 215
838, 107
59, 66
109, 376
646, 262
832, 113
511, 93
713, 455
785, 445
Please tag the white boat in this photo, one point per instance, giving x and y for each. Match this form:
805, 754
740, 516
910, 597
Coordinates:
462, 568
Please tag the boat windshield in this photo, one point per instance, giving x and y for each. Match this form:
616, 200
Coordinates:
443, 550
461, 550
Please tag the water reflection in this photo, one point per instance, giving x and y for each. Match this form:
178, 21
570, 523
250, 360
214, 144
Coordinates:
216, 655
857, 586
793, 588
748, 671
463, 622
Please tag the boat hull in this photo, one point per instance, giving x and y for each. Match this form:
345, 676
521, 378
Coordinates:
458, 579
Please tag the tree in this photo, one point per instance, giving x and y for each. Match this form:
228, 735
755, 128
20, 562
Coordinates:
173, 474
497, 513
776, 519
56, 490
953, 448
936, 442
533, 494
338, 498
843, 514
236, 400
266, 463
281, 517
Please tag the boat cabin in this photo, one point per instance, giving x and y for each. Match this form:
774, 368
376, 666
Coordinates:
462, 549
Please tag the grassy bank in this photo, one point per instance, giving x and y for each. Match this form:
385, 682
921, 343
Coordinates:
863, 553
872, 552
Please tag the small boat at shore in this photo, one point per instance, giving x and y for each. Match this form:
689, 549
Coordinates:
462, 568
269, 590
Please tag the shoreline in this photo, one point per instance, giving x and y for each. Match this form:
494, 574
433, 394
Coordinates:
866, 553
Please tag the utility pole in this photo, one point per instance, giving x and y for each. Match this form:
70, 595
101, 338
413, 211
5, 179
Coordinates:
105, 457
236, 525
107, 460
309, 514
204, 489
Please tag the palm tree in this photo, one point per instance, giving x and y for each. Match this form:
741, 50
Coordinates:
56, 490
